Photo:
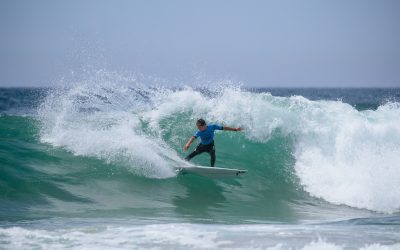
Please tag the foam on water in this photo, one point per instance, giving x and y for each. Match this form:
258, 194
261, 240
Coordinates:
343, 155
349, 157
194, 236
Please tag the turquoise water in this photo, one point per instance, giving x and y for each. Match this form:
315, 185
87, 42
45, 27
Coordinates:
91, 166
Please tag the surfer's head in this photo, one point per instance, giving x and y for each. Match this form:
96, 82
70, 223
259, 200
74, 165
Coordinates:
201, 124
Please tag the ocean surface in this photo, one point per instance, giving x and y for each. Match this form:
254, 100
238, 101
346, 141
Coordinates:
91, 166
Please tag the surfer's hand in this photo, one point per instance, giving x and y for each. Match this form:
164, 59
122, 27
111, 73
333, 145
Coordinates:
186, 147
239, 129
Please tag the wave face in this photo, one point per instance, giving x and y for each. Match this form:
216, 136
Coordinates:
329, 148
108, 147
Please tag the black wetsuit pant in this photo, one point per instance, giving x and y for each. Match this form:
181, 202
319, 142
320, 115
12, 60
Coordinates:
210, 148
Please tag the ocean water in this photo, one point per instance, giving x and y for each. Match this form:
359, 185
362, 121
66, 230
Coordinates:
91, 166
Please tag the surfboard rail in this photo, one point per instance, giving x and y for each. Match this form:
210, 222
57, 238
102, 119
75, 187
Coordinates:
210, 171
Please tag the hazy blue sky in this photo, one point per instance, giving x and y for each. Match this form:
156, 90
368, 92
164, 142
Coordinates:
259, 43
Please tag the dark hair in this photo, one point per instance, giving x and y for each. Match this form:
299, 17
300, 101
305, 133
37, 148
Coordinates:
201, 122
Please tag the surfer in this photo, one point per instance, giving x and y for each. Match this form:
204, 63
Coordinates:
206, 133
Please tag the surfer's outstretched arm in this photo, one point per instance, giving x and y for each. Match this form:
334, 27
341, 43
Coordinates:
232, 129
189, 142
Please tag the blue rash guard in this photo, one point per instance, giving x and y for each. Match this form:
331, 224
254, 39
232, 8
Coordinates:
207, 136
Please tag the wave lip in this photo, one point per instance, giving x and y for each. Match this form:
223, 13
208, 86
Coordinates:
103, 122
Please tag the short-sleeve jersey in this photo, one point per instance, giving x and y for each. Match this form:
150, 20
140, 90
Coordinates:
207, 136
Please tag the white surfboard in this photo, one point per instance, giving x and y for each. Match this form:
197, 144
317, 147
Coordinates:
210, 171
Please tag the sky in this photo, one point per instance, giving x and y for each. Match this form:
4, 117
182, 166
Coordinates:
299, 43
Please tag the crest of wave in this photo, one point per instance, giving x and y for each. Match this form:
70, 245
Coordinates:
99, 117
